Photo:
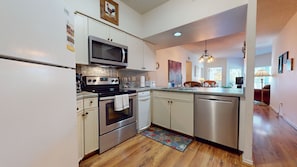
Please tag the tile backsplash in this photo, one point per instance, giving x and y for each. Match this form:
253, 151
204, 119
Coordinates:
128, 78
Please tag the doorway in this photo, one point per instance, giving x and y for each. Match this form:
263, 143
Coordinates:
188, 71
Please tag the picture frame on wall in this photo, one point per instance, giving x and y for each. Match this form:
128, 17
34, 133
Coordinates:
290, 64
285, 57
280, 64
109, 10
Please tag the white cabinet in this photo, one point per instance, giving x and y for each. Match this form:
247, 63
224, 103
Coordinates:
149, 57
87, 122
106, 32
161, 111
141, 55
174, 111
80, 128
81, 39
135, 53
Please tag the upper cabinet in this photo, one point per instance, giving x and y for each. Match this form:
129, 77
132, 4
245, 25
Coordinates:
106, 32
81, 39
141, 55
149, 57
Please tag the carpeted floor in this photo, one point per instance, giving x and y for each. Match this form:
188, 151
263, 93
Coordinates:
171, 139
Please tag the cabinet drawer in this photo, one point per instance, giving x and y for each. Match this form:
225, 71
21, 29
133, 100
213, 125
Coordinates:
174, 95
79, 105
91, 102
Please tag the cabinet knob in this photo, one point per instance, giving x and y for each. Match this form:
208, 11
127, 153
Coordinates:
91, 102
110, 39
77, 108
87, 113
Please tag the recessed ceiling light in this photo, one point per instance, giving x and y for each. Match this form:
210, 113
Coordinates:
177, 34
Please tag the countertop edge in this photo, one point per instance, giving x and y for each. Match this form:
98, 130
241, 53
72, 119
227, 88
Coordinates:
83, 94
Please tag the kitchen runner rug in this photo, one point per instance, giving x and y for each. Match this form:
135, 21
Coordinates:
168, 138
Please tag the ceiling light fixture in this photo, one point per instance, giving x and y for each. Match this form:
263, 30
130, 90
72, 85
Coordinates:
177, 34
205, 56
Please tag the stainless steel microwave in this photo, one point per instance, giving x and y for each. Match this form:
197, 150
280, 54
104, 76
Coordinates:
108, 53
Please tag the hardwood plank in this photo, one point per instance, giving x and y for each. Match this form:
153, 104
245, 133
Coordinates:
141, 151
274, 141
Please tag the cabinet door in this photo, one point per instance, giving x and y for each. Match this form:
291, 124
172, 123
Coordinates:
80, 134
117, 36
91, 130
161, 112
135, 56
80, 128
81, 39
182, 116
149, 57
98, 29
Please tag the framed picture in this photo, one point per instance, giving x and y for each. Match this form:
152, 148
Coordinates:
175, 72
280, 64
285, 57
109, 10
290, 64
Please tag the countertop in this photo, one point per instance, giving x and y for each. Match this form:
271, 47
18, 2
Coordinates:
199, 90
207, 90
85, 94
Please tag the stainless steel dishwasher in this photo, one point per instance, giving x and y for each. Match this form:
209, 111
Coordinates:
216, 119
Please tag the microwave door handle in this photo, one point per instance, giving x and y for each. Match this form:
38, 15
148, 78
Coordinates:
123, 55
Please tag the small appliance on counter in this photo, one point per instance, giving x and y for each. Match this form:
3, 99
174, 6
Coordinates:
142, 81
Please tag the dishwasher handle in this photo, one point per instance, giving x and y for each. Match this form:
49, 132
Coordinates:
216, 100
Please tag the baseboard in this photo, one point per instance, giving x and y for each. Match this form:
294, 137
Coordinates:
290, 123
247, 162
286, 119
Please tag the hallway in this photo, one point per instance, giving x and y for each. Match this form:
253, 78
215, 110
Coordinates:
274, 141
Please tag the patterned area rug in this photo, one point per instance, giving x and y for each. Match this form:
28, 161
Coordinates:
168, 138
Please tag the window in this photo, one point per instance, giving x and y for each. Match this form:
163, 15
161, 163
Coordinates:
266, 80
233, 73
215, 73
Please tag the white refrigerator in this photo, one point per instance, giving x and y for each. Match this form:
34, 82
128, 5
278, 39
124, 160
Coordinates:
37, 85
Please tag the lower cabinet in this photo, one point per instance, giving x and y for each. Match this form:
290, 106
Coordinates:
173, 110
87, 122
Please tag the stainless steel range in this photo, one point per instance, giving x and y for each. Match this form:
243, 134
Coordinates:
114, 126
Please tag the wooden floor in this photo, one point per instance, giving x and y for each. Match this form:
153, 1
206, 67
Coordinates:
275, 142
275, 145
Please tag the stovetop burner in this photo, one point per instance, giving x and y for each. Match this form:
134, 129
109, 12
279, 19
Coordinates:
104, 86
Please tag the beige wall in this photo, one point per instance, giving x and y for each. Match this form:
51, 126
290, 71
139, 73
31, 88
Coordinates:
176, 54
283, 88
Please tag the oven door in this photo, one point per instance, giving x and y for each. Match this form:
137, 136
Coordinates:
110, 119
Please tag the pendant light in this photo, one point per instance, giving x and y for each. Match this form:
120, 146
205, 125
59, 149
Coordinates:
205, 56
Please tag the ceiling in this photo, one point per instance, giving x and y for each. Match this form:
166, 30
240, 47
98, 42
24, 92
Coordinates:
143, 6
224, 32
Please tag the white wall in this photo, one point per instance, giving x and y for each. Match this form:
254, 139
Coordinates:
183, 12
283, 87
176, 54
129, 20
263, 60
